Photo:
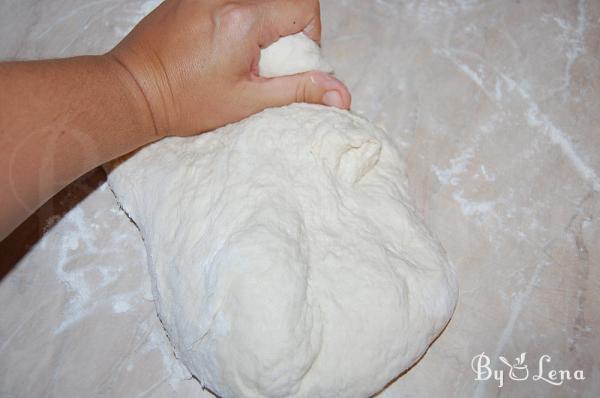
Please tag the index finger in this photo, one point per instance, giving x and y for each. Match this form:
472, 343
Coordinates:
285, 17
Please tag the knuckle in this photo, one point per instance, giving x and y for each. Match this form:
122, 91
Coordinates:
315, 6
302, 90
235, 15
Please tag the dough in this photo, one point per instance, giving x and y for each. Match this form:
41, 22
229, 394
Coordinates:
290, 55
286, 258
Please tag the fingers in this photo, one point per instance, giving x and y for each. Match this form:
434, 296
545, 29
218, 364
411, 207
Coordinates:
310, 87
285, 17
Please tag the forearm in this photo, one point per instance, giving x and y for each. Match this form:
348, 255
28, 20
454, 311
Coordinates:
58, 120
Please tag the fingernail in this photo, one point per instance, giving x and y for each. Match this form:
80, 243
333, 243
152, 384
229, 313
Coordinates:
333, 98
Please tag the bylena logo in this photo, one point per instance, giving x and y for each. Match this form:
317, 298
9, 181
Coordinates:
519, 371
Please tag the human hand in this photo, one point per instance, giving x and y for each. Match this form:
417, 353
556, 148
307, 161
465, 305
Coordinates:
196, 62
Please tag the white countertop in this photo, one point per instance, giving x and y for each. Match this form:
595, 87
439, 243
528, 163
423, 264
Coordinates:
496, 108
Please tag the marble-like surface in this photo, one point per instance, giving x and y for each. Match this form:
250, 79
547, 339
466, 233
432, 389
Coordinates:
495, 106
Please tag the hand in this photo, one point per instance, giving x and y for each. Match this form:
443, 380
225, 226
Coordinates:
196, 62
188, 67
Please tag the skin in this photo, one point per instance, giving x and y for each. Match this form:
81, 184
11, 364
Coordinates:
188, 67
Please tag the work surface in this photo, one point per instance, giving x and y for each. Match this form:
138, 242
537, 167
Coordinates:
495, 106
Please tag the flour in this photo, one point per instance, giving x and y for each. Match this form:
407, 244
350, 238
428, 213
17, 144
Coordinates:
286, 257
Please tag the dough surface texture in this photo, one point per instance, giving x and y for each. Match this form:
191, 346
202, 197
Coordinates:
290, 55
285, 255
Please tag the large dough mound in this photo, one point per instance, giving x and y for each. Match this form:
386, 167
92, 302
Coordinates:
286, 258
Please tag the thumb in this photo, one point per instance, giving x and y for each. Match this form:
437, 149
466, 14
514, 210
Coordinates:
311, 87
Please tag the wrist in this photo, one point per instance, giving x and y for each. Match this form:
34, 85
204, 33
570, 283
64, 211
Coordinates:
143, 94
149, 84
